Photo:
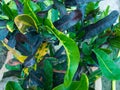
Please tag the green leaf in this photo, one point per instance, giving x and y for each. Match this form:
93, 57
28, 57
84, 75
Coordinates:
13, 7
53, 15
10, 26
83, 84
86, 49
29, 9
3, 17
24, 21
115, 42
100, 26
8, 11
72, 52
11, 85
48, 74
10, 67
107, 65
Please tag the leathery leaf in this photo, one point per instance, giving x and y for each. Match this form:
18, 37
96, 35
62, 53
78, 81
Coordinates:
24, 21
107, 65
72, 51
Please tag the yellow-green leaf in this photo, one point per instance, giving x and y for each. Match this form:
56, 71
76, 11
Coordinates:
42, 50
24, 21
20, 57
72, 51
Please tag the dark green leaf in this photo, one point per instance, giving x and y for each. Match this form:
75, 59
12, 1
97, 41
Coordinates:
11, 67
48, 75
11, 85
29, 8
83, 84
68, 21
8, 11
97, 28
86, 49
107, 66
115, 42
71, 50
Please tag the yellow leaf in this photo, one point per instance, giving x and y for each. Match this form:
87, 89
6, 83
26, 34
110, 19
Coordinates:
41, 52
26, 71
20, 57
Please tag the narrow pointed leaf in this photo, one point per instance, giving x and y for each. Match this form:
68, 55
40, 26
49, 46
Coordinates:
24, 21
20, 57
28, 9
107, 65
72, 51
97, 28
68, 21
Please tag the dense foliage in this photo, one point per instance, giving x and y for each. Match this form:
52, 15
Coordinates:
56, 43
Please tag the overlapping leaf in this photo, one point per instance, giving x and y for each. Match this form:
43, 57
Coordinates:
24, 21
69, 20
97, 28
76, 85
107, 66
71, 51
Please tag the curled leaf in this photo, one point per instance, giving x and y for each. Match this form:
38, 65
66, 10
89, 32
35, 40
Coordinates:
24, 21
72, 51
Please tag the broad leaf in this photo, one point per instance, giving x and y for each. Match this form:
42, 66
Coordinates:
107, 65
72, 52
28, 9
24, 21
68, 21
11, 85
97, 28
83, 84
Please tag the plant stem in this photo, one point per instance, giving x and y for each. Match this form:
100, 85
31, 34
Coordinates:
113, 84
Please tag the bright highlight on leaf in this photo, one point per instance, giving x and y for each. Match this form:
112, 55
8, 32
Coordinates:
20, 57
24, 21
41, 52
72, 52
107, 65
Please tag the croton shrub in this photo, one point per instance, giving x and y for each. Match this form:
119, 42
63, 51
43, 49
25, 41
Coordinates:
56, 43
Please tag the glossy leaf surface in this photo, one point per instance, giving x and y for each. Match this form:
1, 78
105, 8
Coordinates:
24, 21
107, 65
72, 52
